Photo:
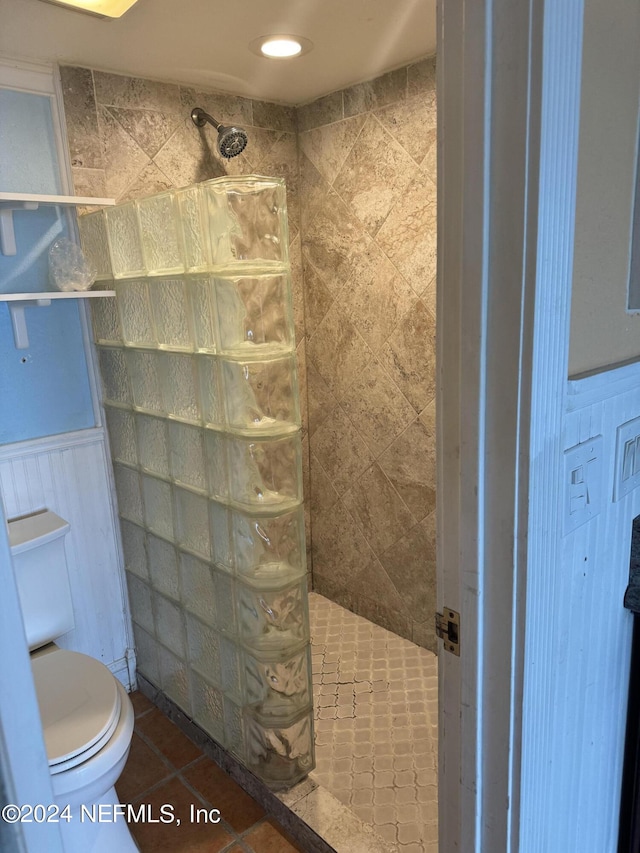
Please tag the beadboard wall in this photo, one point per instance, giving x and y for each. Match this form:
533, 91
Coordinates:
69, 474
576, 684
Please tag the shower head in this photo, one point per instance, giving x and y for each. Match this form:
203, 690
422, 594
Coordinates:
231, 140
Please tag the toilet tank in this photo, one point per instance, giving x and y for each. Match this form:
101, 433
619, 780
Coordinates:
40, 569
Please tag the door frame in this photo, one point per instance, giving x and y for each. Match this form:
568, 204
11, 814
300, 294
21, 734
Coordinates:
508, 101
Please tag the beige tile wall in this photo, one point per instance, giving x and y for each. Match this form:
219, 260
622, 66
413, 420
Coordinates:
368, 219
362, 212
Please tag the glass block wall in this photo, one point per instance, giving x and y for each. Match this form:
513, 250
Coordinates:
196, 355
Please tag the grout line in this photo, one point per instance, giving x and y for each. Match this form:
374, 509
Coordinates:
143, 714
178, 774
223, 823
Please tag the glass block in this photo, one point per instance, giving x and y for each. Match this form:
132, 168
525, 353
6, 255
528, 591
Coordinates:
269, 550
125, 247
161, 241
158, 509
136, 319
140, 603
261, 395
255, 313
234, 728
208, 707
223, 600
105, 320
270, 619
153, 445
192, 227
174, 678
216, 455
198, 592
220, 535
115, 376
230, 665
203, 308
93, 236
278, 684
134, 549
128, 492
192, 522
170, 628
247, 221
171, 313
265, 472
163, 567
122, 435
187, 456
180, 387
280, 754
145, 369
204, 650
210, 391
146, 655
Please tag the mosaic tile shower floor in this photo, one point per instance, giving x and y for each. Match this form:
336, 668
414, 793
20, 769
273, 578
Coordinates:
376, 712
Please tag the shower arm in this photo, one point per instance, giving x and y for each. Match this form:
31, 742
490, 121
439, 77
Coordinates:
200, 118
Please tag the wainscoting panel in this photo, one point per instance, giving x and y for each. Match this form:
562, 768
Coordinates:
70, 475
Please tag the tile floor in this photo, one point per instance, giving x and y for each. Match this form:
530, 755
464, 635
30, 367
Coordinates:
376, 713
374, 789
164, 766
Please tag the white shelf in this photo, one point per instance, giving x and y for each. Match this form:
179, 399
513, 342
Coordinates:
39, 198
54, 294
31, 201
19, 301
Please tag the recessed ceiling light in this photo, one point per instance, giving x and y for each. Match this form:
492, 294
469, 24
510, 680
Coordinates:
102, 8
279, 46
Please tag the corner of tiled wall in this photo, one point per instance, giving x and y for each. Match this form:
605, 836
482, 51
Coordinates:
368, 218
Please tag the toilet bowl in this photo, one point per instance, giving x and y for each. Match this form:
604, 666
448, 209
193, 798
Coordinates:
87, 721
87, 717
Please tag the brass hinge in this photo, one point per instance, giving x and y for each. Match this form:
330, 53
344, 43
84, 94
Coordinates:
448, 629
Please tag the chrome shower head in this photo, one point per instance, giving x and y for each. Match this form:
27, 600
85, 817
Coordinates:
231, 140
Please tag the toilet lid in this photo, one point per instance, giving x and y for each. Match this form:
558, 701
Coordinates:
79, 706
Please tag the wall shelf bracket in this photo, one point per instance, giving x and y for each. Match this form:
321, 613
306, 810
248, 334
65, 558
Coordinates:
17, 302
19, 321
7, 233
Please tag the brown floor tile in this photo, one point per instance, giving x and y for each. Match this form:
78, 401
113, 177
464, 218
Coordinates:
237, 808
140, 702
168, 738
270, 837
142, 770
174, 838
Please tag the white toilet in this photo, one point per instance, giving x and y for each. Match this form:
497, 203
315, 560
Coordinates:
87, 716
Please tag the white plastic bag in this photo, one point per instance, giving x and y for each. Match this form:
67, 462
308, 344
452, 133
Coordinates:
68, 267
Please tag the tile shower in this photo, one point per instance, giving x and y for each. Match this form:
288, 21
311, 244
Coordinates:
202, 408
363, 279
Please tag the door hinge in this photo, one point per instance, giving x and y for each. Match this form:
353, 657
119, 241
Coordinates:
448, 629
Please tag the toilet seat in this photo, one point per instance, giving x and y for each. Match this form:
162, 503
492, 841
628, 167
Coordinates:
79, 706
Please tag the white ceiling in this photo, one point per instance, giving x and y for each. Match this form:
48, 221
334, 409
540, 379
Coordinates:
206, 41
